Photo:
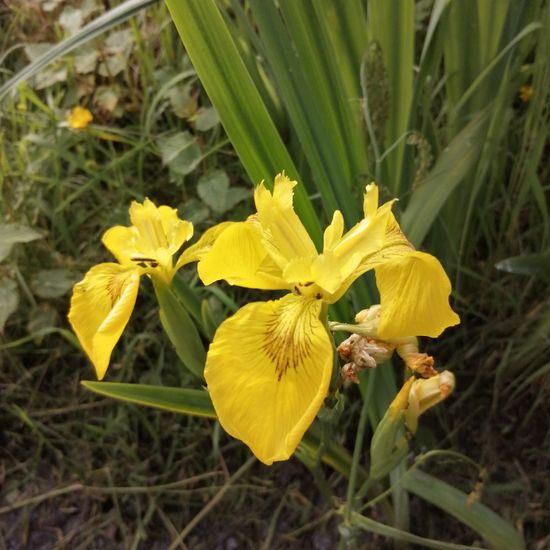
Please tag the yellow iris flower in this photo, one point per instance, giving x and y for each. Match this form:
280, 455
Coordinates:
103, 301
269, 366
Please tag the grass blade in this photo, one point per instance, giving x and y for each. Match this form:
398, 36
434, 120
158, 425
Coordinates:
103, 23
389, 19
178, 400
381, 529
238, 102
493, 528
452, 166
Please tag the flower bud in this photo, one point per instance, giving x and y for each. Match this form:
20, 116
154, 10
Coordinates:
390, 443
425, 393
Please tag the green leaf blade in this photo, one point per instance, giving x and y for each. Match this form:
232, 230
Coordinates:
179, 400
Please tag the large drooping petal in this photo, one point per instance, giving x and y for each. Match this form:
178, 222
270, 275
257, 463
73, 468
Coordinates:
414, 297
239, 257
284, 235
101, 306
268, 371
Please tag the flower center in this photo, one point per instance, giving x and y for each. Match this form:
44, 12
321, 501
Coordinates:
308, 290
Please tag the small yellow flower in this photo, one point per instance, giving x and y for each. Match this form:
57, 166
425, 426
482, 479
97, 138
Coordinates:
526, 93
103, 301
79, 118
269, 366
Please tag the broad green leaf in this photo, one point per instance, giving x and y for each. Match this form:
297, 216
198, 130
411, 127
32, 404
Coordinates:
381, 529
214, 190
493, 528
86, 59
205, 119
194, 211
178, 400
72, 19
182, 101
537, 265
11, 234
42, 317
9, 300
180, 152
452, 166
53, 283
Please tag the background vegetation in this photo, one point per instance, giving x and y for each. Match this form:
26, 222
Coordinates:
441, 117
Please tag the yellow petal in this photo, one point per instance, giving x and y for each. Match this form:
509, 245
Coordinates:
370, 200
333, 233
285, 236
362, 240
79, 118
121, 243
101, 306
158, 228
327, 272
239, 257
268, 371
414, 297
196, 251
394, 244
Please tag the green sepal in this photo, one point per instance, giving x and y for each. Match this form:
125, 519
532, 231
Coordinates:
180, 328
389, 444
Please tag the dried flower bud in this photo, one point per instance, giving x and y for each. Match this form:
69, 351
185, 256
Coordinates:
362, 353
348, 372
421, 363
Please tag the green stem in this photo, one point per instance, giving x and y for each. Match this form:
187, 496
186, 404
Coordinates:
358, 448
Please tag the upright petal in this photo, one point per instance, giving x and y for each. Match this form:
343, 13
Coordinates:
414, 297
333, 233
365, 238
394, 244
284, 233
370, 200
268, 371
239, 257
101, 306
158, 228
